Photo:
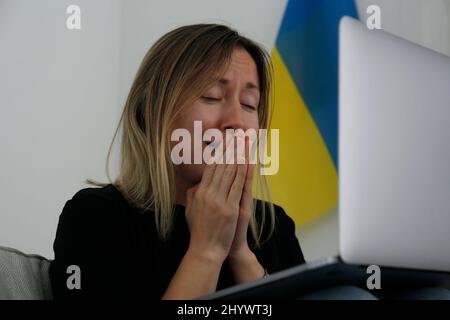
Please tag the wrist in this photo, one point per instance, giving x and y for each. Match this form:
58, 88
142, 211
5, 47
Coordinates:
206, 256
245, 266
241, 254
241, 258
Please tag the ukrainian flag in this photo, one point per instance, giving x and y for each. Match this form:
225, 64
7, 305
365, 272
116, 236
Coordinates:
305, 61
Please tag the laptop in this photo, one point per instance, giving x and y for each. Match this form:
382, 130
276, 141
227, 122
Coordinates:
394, 171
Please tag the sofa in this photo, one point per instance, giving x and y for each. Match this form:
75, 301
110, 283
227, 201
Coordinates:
23, 276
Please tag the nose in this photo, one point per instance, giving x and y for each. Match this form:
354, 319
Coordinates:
233, 117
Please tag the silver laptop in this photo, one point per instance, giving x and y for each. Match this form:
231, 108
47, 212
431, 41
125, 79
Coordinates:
394, 151
394, 170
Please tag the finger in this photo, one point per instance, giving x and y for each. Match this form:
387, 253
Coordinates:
236, 188
231, 168
247, 198
252, 149
210, 166
217, 148
241, 154
190, 194
208, 174
220, 168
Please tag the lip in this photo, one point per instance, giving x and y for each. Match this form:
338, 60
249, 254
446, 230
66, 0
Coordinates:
213, 144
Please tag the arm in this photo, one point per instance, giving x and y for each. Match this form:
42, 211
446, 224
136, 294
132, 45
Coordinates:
243, 263
196, 276
245, 266
91, 235
287, 242
212, 212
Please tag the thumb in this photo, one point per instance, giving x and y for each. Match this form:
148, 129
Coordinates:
191, 192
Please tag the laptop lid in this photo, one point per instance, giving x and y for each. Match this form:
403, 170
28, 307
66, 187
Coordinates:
394, 151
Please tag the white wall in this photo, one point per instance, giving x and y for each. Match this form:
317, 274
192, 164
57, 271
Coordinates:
61, 93
143, 22
426, 22
59, 106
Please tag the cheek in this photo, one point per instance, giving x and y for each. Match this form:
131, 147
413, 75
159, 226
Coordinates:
253, 122
209, 116
201, 111
186, 120
190, 173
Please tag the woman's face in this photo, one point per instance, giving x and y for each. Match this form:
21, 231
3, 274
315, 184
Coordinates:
231, 103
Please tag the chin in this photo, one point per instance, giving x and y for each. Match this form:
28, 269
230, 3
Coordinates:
196, 173
192, 173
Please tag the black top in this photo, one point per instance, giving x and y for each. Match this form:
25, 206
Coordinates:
119, 254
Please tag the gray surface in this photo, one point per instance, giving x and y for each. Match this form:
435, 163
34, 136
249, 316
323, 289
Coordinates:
394, 161
23, 276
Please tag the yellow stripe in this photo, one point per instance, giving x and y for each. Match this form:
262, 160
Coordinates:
306, 184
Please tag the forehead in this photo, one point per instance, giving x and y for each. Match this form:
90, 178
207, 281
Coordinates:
242, 65
241, 69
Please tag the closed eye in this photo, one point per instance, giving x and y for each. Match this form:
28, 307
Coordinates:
211, 98
249, 106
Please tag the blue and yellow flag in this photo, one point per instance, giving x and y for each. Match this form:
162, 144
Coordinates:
305, 61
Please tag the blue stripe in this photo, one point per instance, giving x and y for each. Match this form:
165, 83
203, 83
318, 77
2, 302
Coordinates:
308, 44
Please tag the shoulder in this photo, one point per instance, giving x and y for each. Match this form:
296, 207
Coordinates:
108, 196
282, 219
92, 207
104, 194
282, 250
283, 225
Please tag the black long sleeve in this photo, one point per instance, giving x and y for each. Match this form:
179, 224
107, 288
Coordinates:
288, 241
120, 256
92, 235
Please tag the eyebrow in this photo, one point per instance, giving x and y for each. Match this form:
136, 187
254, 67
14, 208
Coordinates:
248, 85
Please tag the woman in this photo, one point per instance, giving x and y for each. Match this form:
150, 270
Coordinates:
181, 231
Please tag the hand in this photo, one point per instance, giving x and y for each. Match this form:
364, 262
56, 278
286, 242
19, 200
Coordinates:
239, 248
213, 209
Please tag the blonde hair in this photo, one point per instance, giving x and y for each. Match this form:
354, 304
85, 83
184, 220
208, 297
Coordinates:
172, 76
